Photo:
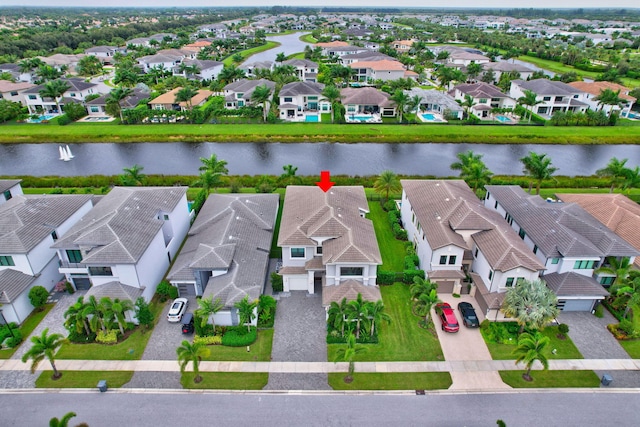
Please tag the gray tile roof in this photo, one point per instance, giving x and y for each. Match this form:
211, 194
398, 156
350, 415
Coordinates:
560, 229
367, 56
365, 96
12, 284
301, 63
75, 84
26, 220
302, 88
115, 290
480, 90
505, 67
247, 87
309, 212
432, 96
572, 284
232, 233
129, 102
120, 228
446, 208
349, 289
6, 184
547, 87
202, 64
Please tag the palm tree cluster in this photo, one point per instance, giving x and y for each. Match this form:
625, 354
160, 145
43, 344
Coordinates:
472, 170
625, 289
620, 175
356, 316
87, 317
531, 303
424, 295
211, 171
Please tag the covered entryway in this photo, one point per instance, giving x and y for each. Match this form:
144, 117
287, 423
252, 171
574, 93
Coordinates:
81, 283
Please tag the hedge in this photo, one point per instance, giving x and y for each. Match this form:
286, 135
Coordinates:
238, 336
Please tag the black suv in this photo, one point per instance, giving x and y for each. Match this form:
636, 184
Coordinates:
187, 323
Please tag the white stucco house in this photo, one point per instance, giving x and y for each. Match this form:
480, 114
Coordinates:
552, 96
297, 99
126, 241
226, 254
485, 97
328, 244
9, 188
29, 225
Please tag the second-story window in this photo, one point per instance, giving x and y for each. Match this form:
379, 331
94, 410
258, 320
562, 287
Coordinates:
297, 253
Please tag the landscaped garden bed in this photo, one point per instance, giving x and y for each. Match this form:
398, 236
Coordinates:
395, 381
555, 379
84, 379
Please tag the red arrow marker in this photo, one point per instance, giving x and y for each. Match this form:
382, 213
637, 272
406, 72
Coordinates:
325, 181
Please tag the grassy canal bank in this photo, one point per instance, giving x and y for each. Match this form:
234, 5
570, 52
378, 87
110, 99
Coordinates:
625, 133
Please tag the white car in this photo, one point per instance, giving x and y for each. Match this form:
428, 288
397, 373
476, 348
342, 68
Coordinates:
178, 308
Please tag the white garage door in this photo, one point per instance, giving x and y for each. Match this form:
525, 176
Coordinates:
577, 305
298, 283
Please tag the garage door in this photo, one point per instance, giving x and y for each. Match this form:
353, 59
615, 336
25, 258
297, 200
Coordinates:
576, 305
298, 283
186, 289
81, 283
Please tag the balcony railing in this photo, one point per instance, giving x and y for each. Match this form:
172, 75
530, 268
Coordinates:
67, 264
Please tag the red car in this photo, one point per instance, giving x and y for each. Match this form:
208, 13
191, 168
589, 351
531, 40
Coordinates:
447, 317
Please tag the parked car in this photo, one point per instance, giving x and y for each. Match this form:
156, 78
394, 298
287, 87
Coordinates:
178, 307
187, 323
469, 318
447, 317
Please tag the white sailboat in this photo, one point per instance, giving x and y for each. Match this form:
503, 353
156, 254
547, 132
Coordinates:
63, 154
69, 155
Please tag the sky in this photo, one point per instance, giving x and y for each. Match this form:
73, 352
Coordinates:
350, 3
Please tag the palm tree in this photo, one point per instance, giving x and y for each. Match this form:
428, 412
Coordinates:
185, 95
206, 309
93, 310
246, 311
356, 312
44, 346
473, 70
62, 422
194, 353
212, 169
332, 94
376, 314
207, 181
117, 308
116, 96
420, 286
531, 348
281, 57
54, 89
618, 267
289, 174
609, 97
386, 183
230, 74
425, 302
401, 100
631, 290
467, 104
616, 170
538, 167
465, 160
530, 100
133, 175
75, 317
261, 95
336, 315
531, 303
631, 179
188, 70
472, 169
347, 354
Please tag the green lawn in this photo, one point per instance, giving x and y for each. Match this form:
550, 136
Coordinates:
399, 381
632, 347
392, 250
27, 328
226, 380
276, 251
403, 339
83, 379
565, 348
247, 53
260, 350
308, 38
551, 379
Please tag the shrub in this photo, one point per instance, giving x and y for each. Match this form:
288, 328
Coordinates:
206, 331
399, 232
143, 313
14, 340
201, 197
390, 205
38, 296
166, 291
276, 282
411, 262
69, 287
73, 112
563, 328
409, 275
394, 217
387, 277
208, 340
599, 311
238, 336
81, 338
64, 120
109, 337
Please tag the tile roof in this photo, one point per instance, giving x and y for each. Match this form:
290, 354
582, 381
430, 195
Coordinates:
301, 88
248, 86
365, 96
12, 284
559, 229
202, 64
232, 234
335, 43
301, 63
432, 96
572, 284
7, 86
480, 90
547, 87
170, 97
445, 208
380, 65
115, 290
506, 67
595, 88
368, 56
75, 84
26, 220
120, 228
6, 184
619, 213
349, 289
309, 212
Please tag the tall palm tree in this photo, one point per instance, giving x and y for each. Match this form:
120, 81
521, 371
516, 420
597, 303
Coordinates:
207, 180
609, 97
531, 348
387, 182
337, 315
54, 89
212, 170
193, 353
401, 100
425, 302
538, 167
117, 308
420, 286
261, 95
133, 175
473, 70
230, 74
531, 303
376, 314
616, 170
75, 317
530, 100
477, 176
94, 311
281, 57
467, 104
116, 96
631, 179
246, 311
44, 346
332, 94
186, 95
356, 312
618, 267
289, 175
207, 307
348, 354
465, 160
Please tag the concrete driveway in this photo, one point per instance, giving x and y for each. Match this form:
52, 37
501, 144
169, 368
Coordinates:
466, 344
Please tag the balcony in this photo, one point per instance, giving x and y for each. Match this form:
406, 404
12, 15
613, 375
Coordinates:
71, 267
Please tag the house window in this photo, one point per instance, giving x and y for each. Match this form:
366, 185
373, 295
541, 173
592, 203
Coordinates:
535, 249
14, 93
351, 271
318, 250
95, 109
482, 101
476, 254
54, 235
559, 99
583, 265
288, 99
8, 195
490, 274
32, 97
452, 260
495, 206
72, 94
519, 280
546, 98
74, 256
443, 260
239, 95
509, 283
165, 217
521, 233
607, 280
555, 260
297, 253
6, 261
312, 98
100, 271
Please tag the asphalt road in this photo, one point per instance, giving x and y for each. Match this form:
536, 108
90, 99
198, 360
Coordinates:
206, 409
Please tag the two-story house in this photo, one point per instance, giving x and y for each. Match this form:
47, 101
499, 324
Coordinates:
29, 225
14, 92
502, 67
301, 99
368, 71
485, 97
251, 68
105, 54
168, 101
226, 254
432, 100
127, 240
77, 92
366, 104
364, 56
456, 238
569, 242
327, 241
199, 69
552, 96
306, 70
591, 91
238, 94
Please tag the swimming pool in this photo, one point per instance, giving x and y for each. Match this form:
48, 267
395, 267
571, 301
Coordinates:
312, 118
429, 117
42, 118
360, 118
503, 119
